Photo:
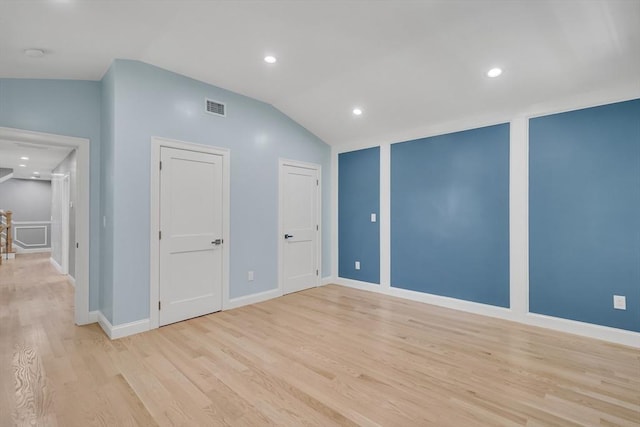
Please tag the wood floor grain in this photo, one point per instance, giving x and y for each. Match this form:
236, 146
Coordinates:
330, 356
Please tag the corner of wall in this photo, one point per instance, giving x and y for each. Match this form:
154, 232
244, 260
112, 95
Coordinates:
123, 330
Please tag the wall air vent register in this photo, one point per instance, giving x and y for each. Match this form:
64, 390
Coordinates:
216, 108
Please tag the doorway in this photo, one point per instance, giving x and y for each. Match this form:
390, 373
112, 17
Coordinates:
81, 228
300, 208
189, 247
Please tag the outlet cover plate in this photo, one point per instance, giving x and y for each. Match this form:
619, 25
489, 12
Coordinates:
619, 302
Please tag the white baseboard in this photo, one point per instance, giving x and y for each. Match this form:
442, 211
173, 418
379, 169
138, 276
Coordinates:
454, 303
106, 326
604, 333
263, 296
357, 284
252, 299
20, 250
124, 330
613, 335
55, 265
93, 317
327, 280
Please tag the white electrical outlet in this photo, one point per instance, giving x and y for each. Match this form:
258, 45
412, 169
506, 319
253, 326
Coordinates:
373, 217
619, 302
357, 265
250, 276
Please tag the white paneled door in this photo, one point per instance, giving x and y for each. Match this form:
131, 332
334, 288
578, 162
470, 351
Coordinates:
299, 216
191, 209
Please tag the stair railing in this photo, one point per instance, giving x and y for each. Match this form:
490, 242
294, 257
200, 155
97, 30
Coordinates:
5, 232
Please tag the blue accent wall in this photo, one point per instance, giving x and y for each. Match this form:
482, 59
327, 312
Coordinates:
358, 198
149, 101
450, 215
63, 107
584, 214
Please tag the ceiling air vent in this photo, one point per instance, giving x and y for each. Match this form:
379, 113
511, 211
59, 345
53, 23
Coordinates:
216, 108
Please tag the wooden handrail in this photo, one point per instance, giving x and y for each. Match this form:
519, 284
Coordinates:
2, 228
6, 228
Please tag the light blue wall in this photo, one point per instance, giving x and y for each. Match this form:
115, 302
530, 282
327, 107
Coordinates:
450, 215
106, 192
358, 198
64, 107
153, 102
584, 214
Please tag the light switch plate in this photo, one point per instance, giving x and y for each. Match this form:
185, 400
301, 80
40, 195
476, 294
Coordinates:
250, 276
357, 265
373, 217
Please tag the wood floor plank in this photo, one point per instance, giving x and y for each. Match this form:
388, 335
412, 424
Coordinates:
33, 391
323, 357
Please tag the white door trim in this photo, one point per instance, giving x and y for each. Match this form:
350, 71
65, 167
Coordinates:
82, 147
318, 168
154, 244
64, 223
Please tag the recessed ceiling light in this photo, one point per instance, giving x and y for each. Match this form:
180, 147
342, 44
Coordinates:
24, 158
34, 53
34, 177
23, 166
494, 72
270, 59
36, 173
357, 111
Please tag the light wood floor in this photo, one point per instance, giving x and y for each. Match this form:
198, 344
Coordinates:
327, 356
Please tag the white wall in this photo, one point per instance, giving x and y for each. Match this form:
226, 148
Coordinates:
30, 202
66, 168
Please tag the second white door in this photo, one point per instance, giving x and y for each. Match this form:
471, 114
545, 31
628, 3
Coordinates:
191, 209
299, 241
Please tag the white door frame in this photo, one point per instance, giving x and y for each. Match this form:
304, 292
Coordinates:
318, 169
154, 243
64, 223
82, 147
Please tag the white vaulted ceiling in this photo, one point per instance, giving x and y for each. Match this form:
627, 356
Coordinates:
407, 64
